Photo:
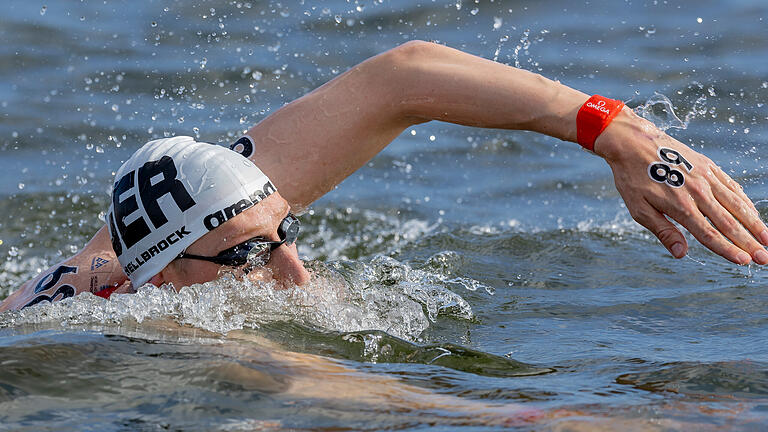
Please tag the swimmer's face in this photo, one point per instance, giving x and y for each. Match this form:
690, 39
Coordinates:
261, 220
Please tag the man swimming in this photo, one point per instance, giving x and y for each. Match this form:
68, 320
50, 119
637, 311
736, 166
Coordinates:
181, 210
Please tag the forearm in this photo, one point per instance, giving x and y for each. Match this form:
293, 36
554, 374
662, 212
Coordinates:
434, 82
93, 269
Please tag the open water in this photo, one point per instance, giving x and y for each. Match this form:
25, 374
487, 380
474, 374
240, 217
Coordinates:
473, 279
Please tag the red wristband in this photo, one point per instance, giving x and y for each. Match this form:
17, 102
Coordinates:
106, 292
593, 117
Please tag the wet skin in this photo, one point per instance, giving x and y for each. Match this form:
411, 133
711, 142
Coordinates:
261, 220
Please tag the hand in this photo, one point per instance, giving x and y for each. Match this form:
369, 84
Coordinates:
690, 191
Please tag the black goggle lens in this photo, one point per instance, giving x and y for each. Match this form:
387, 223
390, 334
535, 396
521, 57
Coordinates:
255, 251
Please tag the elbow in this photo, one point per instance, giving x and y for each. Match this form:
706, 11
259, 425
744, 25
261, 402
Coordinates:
413, 53
404, 71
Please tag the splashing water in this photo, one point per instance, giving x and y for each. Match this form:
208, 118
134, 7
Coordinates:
383, 295
659, 111
524, 44
498, 47
429, 288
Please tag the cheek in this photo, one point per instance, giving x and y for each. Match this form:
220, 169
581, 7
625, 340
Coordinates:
199, 272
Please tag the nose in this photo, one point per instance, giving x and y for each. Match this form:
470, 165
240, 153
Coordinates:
287, 269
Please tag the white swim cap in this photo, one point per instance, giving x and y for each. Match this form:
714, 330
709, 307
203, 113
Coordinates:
170, 193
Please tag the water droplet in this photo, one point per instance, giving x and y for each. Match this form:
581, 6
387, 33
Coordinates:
196, 130
14, 251
731, 119
154, 24
82, 18
699, 20
432, 138
337, 18
21, 186
43, 9
497, 22
474, 11
746, 130
180, 119
115, 108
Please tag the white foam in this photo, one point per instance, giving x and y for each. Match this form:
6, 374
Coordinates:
383, 295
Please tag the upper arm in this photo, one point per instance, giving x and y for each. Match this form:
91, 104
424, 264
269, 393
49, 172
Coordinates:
310, 145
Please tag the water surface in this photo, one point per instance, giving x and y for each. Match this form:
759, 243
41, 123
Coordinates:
473, 279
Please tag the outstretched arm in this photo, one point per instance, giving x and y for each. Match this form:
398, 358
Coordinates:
310, 145
94, 269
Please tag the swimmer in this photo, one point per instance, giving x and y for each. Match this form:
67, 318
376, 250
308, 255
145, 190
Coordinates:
181, 210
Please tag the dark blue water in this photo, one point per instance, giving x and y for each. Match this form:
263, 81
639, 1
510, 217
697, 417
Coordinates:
471, 273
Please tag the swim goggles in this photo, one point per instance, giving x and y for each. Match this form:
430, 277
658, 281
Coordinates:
255, 251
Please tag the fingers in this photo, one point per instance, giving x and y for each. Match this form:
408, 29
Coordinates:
722, 217
742, 211
706, 234
733, 186
663, 229
722, 200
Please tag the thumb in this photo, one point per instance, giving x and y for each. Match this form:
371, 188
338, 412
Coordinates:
665, 231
